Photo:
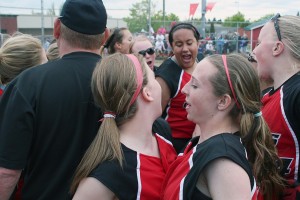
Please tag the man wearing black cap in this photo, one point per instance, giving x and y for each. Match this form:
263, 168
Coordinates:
47, 114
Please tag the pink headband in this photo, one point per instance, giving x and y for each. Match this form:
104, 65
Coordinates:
229, 81
139, 76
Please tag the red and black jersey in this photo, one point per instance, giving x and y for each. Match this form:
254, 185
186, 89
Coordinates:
141, 176
183, 174
175, 114
281, 110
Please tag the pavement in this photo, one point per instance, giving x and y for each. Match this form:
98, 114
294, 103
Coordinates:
158, 62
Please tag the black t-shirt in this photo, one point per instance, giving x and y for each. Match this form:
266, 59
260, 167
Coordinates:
47, 121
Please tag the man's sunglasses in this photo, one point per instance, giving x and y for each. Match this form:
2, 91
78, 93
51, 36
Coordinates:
149, 51
251, 58
276, 25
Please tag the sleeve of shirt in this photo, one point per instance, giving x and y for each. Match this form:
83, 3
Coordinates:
16, 128
296, 112
291, 104
170, 72
119, 180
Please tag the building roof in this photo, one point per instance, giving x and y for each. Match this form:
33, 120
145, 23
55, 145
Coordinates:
8, 15
256, 25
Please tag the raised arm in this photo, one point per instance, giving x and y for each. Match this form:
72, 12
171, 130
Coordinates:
165, 91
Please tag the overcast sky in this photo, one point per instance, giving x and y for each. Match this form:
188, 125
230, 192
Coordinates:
252, 9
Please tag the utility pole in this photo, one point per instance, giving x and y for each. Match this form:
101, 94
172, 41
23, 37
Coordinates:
42, 17
238, 5
149, 16
164, 13
203, 18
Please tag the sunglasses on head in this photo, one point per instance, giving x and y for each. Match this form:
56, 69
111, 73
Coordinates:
276, 25
149, 51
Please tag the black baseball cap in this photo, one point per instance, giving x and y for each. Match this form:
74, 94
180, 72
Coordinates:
84, 16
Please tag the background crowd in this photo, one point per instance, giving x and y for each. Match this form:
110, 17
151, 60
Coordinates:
93, 115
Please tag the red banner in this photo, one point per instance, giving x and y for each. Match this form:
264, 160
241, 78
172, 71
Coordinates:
193, 8
210, 5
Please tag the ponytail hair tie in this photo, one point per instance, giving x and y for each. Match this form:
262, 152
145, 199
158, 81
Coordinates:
258, 114
108, 115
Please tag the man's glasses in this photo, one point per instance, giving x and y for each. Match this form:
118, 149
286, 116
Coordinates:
149, 51
276, 25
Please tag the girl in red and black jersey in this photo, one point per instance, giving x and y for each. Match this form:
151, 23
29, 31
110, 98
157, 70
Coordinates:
278, 58
172, 75
234, 156
126, 160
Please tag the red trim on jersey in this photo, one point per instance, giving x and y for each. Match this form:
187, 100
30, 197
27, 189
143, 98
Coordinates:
176, 113
173, 185
154, 169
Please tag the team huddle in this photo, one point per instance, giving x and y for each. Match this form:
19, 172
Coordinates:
101, 121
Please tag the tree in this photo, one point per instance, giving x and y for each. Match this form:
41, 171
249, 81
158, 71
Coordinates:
138, 17
158, 19
267, 16
212, 27
236, 20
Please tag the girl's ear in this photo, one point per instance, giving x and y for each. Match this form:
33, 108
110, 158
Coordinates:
278, 48
147, 95
118, 46
224, 102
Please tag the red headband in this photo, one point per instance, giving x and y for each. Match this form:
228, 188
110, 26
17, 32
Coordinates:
229, 81
139, 76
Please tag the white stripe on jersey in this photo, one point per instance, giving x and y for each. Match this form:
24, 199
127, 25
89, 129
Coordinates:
292, 133
138, 173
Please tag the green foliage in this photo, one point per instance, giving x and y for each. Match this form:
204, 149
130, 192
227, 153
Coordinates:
157, 20
267, 16
237, 19
138, 17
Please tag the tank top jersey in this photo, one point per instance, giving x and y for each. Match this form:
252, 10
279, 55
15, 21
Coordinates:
281, 110
141, 176
182, 176
174, 113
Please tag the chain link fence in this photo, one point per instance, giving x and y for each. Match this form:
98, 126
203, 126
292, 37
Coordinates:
219, 37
